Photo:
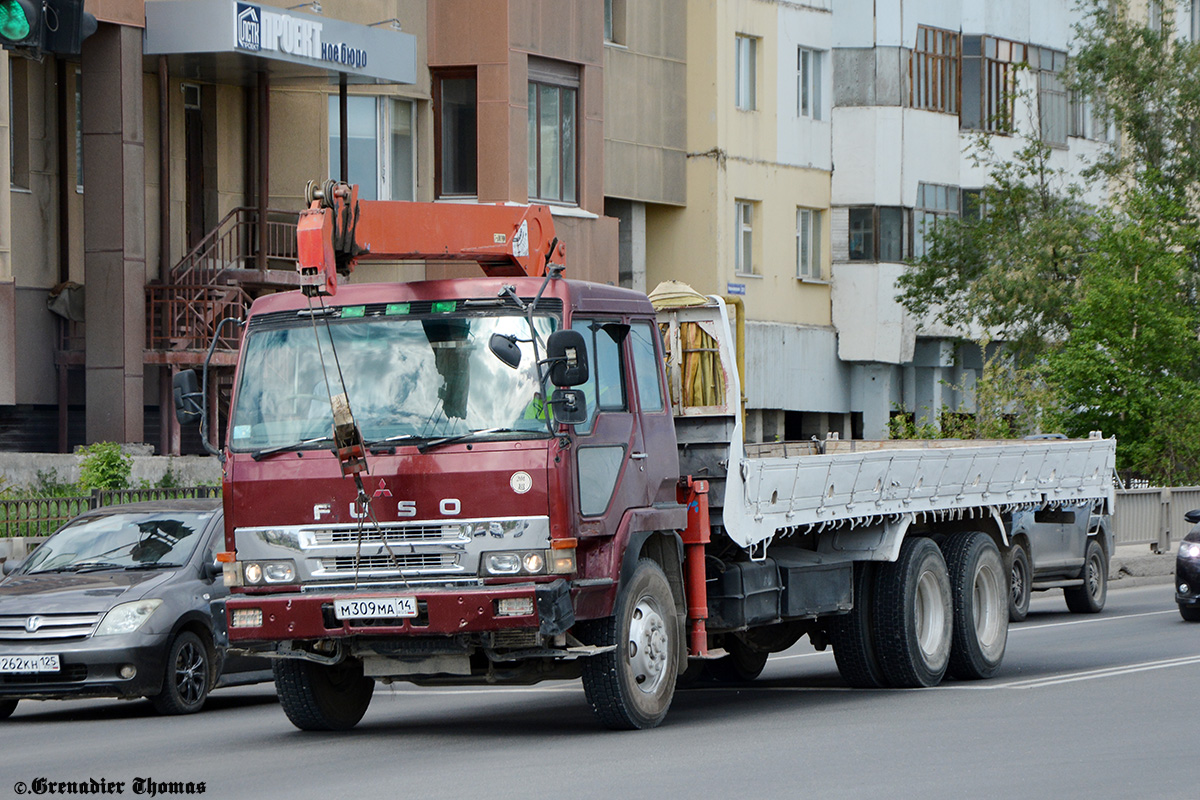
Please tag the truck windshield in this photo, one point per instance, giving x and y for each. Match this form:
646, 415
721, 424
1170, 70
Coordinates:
418, 377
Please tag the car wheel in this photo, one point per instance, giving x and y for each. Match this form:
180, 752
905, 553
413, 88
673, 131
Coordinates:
1189, 614
1089, 598
1018, 583
7, 707
188, 677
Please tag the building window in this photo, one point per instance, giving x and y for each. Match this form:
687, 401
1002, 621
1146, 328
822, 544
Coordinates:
935, 204
745, 72
18, 122
1154, 15
973, 205
989, 82
933, 70
808, 83
614, 21
808, 243
743, 237
454, 135
381, 146
1194, 21
1089, 120
553, 165
879, 234
1053, 107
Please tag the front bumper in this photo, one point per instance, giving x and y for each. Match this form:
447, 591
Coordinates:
441, 612
90, 668
1187, 572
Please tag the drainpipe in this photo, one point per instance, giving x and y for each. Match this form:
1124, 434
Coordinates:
64, 238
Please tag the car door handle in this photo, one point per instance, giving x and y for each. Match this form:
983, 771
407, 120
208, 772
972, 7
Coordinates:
637, 456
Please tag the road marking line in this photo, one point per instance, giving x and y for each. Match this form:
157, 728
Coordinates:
1012, 629
1107, 672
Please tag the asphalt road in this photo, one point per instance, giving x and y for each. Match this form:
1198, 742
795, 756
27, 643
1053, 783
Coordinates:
1085, 706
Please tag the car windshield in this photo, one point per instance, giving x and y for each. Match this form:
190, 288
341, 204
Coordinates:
121, 540
406, 376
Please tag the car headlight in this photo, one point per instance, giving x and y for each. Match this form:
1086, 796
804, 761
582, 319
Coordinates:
127, 617
259, 573
1189, 550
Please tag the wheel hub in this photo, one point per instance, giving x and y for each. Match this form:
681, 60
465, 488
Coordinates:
648, 646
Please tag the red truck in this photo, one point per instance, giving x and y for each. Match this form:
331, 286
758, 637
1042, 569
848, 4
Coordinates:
520, 477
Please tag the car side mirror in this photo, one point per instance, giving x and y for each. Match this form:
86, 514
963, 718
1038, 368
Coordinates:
566, 354
11, 565
188, 401
1193, 516
212, 569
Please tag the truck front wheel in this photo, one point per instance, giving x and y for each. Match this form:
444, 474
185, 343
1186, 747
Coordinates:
981, 605
913, 613
631, 686
321, 697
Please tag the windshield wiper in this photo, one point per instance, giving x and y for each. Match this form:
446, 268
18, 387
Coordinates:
81, 566
458, 437
154, 565
258, 455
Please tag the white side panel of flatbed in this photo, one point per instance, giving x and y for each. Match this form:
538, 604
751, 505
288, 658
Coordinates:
767, 495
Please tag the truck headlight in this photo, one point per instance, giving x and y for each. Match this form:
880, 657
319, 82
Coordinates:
127, 617
259, 573
528, 562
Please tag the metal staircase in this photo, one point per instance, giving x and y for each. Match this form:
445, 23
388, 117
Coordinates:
241, 258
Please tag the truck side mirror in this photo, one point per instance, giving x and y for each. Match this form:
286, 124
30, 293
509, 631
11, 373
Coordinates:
1193, 516
188, 401
505, 348
570, 407
566, 354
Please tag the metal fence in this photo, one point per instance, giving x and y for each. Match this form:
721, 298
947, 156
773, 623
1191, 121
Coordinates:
1154, 516
41, 516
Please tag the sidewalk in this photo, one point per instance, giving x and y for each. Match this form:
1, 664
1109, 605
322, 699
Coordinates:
1135, 564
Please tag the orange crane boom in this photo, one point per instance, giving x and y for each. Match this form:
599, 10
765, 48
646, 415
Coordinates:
337, 230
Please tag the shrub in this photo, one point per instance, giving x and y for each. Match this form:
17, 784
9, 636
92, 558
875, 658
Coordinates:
104, 466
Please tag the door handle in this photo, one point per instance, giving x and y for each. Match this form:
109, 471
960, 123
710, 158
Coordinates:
637, 456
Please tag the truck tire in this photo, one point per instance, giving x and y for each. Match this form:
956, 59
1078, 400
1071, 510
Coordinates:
7, 707
852, 635
1019, 584
743, 663
978, 583
1189, 614
189, 675
1089, 598
913, 616
631, 687
321, 697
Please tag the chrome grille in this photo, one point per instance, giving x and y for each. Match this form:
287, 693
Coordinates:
372, 534
347, 565
49, 626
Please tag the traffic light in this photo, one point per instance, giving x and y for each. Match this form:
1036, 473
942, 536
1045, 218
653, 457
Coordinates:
66, 26
21, 24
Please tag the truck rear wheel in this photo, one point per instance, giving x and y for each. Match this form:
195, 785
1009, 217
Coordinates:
631, 686
322, 697
978, 584
913, 616
1089, 598
852, 636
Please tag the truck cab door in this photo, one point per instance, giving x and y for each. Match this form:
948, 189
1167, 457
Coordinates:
608, 450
